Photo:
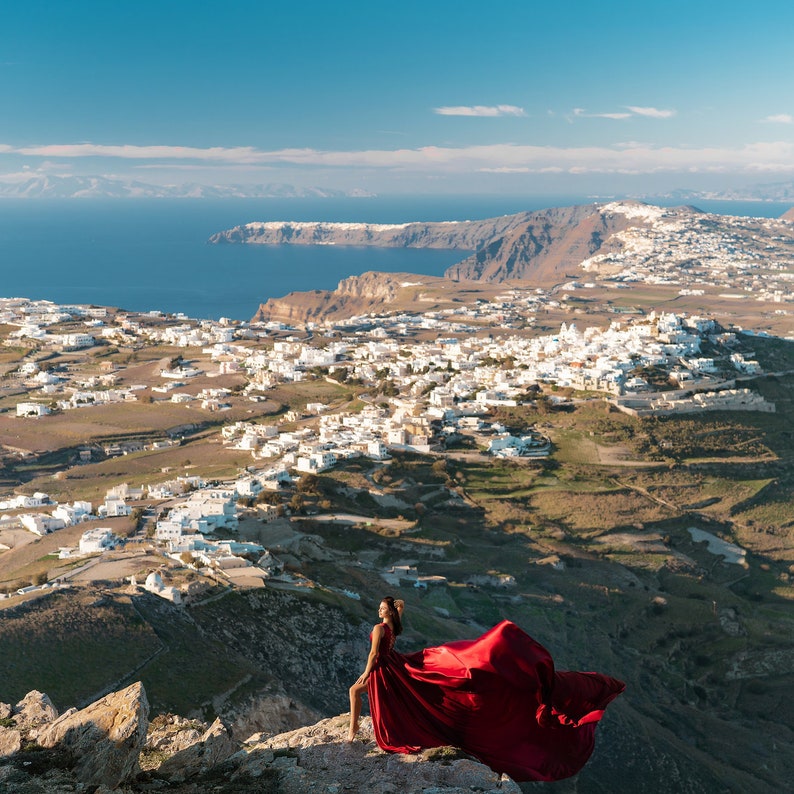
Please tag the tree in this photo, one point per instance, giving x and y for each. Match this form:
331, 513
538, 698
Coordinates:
186, 558
308, 484
439, 468
268, 498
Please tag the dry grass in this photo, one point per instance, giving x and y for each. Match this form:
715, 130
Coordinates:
70, 645
28, 559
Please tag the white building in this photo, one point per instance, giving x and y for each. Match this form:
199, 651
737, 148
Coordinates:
34, 410
113, 508
74, 513
74, 341
169, 530
154, 584
97, 540
40, 523
248, 486
316, 462
377, 450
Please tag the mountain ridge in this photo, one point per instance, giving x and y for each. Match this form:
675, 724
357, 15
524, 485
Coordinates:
55, 186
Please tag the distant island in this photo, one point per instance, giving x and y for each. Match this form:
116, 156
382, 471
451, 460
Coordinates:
49, 186
778, 191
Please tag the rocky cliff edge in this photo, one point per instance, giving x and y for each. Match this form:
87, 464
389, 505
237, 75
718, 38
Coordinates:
112, 746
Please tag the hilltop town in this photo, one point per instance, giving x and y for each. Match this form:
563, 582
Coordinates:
415, 382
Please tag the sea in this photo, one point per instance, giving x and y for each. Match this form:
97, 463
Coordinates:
152, 254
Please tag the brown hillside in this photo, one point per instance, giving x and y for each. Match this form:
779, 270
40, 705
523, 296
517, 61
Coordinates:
552, 243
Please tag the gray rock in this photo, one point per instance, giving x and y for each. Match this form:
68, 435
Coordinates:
105, 738
469, 774
317, 757
5, 711
10, 742
34, 709
171, 734
214, 747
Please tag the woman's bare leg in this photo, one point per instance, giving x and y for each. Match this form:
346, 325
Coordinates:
356, 692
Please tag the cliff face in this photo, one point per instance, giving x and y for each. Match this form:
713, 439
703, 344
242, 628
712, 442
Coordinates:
540, 247
455, 235
546, 245
354, 295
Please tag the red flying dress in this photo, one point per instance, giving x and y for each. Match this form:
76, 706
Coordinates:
497, 697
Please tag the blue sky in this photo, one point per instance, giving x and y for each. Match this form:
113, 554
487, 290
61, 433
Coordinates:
409, 97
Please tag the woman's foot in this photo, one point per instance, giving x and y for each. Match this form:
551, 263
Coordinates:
351, 734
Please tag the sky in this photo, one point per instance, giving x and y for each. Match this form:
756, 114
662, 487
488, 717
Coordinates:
404, 97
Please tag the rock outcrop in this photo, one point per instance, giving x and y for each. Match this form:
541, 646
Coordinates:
34, 709
10, 741
213, 747
104, 738
353, 295
111, 747
318, 758
370, 292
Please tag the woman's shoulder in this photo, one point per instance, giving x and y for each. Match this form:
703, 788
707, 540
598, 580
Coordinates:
379, 628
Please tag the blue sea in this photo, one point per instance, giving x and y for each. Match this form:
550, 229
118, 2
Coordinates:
152, 254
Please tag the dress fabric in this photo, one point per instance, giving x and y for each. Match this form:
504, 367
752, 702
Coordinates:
498, 698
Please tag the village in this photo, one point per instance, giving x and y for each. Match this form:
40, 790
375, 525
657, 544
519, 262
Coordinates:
423, 381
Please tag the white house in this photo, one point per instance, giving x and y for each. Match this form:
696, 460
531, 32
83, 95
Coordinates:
40, 523
73, 513
169, 530
97, 540
248, 486
75, 341
124, 491
377, 449
207, 510
113, 508
34, 410
316, 461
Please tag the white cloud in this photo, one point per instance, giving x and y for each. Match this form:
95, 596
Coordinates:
653, 113
632, 157
580, 113
131, 152
480, 110
622, 114
505, 170
779, 118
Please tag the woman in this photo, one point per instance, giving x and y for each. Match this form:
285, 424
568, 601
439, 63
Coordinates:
498, 698
390, 613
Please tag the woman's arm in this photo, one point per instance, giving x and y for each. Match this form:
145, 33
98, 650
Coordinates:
377, 633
